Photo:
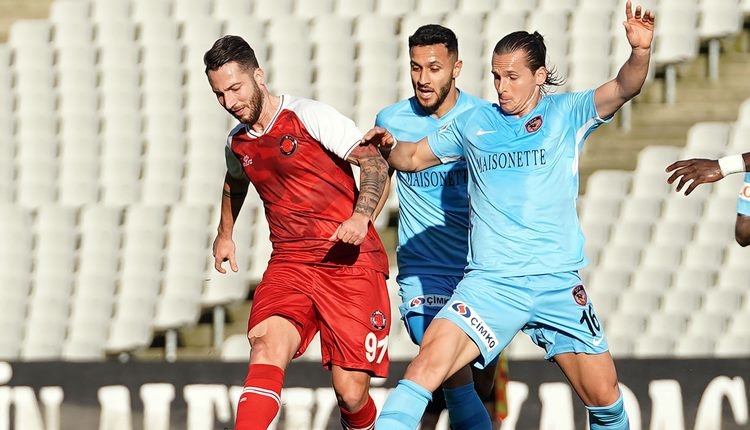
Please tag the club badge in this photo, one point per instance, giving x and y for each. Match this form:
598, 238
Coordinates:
534, 124
287, 145
579, 295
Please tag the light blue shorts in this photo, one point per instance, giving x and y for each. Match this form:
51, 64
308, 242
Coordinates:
553, 309
422, 297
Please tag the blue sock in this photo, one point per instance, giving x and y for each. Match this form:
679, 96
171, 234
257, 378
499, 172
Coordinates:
612, 417
465, 409
404, 407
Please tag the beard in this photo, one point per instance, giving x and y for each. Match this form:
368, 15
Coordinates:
442, 94
255, 106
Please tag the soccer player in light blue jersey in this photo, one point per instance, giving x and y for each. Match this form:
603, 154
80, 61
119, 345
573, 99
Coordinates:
526, 244
698, 171
434, 214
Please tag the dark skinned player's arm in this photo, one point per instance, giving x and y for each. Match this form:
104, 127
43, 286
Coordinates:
742, 230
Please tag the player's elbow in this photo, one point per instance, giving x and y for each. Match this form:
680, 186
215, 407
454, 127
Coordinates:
742, 239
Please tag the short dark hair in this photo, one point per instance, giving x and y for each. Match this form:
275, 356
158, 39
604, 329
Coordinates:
536, 52
227, 49
434, 34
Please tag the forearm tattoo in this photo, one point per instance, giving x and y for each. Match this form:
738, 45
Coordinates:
373, 175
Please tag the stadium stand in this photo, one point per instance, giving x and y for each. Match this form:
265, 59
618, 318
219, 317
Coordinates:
110, 169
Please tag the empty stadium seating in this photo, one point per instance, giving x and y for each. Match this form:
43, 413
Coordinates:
111, 162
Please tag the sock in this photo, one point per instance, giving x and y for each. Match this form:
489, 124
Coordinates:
404, 407
363, 419
465, 408
260, 400
612, 417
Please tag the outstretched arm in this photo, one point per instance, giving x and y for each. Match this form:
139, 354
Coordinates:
639, 29
403, 156
704, 171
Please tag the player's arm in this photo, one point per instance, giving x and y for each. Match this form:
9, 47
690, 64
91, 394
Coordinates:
639, 29
373, 174
384, 197
703, 171
742, 229
403, 156
233, 196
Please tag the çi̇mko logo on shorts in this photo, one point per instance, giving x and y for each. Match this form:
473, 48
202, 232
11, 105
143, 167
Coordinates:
378, 320
477, 324
579, 295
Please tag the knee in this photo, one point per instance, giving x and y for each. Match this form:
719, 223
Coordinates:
611, 416
351, 395
264, 350
603, 395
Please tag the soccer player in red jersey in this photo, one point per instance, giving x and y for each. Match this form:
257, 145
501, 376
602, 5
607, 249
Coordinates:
328, 268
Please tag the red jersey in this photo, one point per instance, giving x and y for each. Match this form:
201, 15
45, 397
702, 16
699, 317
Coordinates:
298, 167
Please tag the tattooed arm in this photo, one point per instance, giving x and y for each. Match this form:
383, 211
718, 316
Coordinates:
373, 173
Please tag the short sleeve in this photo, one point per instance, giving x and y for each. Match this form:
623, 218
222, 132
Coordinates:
234, 167
743, 202
332, 129
447, 142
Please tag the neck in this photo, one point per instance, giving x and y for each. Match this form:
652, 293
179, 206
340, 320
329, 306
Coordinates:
270, 106
530, 104
447, 104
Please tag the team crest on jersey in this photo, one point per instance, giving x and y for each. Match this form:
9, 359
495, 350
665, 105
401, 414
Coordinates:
534, 124
378, 320
246, 160
579, 295
287, 145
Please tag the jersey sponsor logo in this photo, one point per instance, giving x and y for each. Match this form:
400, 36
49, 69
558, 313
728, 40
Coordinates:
430, 300
477, 324
427, 178
481, 132
378, 320
534, 124
287, 145
579, 295
512, 159
246, 160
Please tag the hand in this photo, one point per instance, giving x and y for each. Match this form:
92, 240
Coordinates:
380, 138
224, 249
353, 230
697, 170
639, 28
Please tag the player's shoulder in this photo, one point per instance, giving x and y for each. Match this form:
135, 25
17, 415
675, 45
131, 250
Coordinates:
472, 101
400, 108
304, 104
237, 130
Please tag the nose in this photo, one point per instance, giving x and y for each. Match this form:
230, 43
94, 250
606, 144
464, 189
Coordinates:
424, 77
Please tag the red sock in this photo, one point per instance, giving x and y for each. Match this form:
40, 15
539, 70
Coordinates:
260, 400
363, 419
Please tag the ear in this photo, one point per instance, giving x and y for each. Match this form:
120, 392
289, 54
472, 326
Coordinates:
260, 76
541, 76
457, 68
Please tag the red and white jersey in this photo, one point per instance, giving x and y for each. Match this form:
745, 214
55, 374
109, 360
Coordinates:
298, 167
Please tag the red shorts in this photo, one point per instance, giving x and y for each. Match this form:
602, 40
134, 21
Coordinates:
348, 305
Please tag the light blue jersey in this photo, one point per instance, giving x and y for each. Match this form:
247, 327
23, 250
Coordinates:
433, 204
743, 203
523, 176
